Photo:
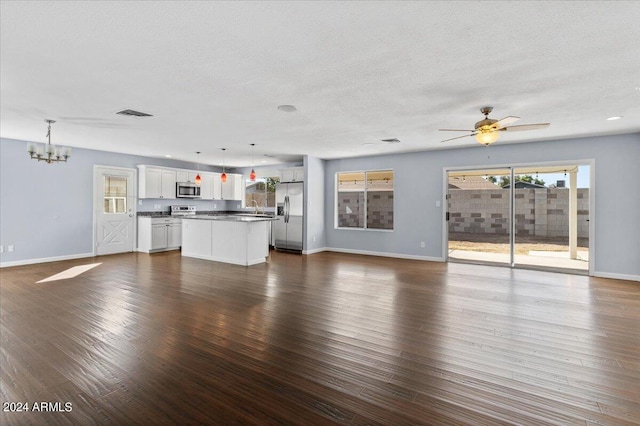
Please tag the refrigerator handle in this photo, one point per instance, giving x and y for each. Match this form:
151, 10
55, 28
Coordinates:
286, 209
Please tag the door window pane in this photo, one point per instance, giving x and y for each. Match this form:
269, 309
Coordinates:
115, 194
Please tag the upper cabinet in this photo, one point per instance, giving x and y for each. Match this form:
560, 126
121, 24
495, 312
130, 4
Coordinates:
233, 188
292, 174
156, 182
217, 186
206, 186
160, 182
186, 176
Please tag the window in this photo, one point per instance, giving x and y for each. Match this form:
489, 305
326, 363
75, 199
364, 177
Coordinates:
262, 192
365, 200
115, 194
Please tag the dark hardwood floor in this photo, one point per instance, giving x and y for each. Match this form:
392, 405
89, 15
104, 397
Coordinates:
321, 339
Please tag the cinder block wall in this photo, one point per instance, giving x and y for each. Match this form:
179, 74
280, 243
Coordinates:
541, 212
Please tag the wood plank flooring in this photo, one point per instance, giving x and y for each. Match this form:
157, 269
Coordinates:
323, 339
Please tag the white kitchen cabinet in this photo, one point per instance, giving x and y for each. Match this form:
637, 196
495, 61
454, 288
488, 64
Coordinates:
156, 182
292, 174
206, 186
159, 234
174, 234
186, 175
217, 186
233, 188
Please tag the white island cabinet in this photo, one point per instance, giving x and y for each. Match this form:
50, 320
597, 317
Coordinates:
230, 239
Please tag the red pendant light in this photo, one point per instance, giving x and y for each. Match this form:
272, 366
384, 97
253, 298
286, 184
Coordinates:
223, 176
252, 175
198, 179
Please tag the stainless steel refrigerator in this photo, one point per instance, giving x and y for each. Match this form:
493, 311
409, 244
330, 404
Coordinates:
289, 214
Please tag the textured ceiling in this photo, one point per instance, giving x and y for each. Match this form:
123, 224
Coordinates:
213, 74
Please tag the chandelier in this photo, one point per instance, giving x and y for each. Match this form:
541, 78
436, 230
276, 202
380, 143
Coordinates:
47, 152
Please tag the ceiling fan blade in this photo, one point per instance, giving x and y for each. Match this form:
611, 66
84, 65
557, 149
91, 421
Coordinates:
504, 122
459, 137
455, 130
526, 127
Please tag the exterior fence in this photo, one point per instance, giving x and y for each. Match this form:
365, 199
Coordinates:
540, 212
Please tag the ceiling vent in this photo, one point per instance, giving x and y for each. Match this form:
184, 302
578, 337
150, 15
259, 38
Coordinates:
392, 140
132, 113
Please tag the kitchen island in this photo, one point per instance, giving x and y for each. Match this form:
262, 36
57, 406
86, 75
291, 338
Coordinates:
241, 240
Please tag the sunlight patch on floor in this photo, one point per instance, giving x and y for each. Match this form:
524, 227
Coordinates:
70, 273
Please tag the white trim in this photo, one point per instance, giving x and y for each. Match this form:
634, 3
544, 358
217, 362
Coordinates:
313, 251
445, 210
592, 215
45, 260
592, 198
384, 254
627, 277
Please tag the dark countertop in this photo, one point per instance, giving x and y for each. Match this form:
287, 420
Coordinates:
231, 218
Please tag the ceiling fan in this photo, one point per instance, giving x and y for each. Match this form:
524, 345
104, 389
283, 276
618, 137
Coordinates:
487, 131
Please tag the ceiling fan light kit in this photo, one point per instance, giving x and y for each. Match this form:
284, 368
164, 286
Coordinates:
487, 137
486, 131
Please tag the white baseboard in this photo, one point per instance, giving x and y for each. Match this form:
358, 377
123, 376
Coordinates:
626, 277
384, 254
44, 260
316, 250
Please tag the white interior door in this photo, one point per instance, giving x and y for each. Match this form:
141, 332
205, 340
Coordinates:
114, 206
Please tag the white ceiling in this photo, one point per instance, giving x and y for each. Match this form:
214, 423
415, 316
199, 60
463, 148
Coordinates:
213, 74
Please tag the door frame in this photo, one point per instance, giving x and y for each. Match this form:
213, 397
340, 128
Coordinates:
98, 203
592, 199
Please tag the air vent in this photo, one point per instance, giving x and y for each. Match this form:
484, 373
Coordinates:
392, 140
133, 113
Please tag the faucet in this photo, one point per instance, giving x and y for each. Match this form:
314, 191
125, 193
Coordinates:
256, 203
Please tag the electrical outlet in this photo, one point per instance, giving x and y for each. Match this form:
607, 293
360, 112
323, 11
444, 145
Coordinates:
239, 205
422, 244
139, 202
215, 206
1, 249
438, 203
10, 248
314, 238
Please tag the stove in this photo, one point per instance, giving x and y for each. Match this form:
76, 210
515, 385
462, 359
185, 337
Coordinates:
183, 210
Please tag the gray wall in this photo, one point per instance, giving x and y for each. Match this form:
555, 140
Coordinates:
314, 192
419, 184
46, 210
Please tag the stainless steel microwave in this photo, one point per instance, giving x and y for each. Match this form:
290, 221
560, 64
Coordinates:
187, 190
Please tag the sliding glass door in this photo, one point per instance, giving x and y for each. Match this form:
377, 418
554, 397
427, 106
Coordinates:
533, 216
552, 217
479, 213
